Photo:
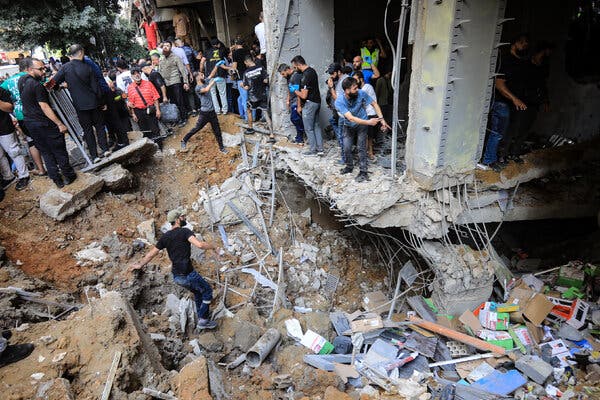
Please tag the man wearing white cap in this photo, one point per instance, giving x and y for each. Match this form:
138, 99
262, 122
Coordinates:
178, 243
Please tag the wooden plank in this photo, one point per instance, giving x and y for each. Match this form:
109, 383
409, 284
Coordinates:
111, 376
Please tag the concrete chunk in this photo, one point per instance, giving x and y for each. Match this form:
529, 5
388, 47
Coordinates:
534, 368
59, 204
147, 230
116, 178
135, 152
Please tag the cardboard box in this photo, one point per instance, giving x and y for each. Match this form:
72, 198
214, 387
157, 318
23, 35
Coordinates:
496, 321
534, 306
499, 338
366, 325
471, 322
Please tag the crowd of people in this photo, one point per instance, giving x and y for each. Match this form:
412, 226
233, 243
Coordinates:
172, 84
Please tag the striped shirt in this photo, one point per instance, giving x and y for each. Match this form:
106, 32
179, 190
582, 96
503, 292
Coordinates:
147, 90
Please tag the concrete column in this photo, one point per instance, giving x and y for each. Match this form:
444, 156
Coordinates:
220, 21
454, 60
308, 32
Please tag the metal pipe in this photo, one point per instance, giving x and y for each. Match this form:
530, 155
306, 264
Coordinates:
396, 86
398, 282
261, 349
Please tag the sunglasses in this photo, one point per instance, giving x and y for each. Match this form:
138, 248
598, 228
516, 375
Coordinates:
40, 68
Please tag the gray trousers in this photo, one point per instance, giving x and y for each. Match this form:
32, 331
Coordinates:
360, 132
310, 115
221, 88
9, 144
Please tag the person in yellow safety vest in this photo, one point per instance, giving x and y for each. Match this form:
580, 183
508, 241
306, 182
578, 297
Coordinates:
371, 54
370, 58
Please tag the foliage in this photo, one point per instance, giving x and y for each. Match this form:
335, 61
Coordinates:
59, 23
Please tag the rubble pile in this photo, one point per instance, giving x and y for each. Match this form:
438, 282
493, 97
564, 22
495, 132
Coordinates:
303, 312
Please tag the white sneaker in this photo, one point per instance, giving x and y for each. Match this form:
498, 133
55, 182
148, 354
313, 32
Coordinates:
483, 167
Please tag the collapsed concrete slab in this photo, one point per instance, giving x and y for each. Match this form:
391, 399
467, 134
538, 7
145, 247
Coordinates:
59, 204
538, 164
365, 200
135, 152
116, 178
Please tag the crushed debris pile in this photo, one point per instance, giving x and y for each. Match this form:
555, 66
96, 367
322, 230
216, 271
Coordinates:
303, 312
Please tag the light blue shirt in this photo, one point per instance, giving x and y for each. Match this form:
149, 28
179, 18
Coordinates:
357, 107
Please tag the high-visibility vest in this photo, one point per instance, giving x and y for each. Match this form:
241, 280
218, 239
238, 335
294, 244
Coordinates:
369, 58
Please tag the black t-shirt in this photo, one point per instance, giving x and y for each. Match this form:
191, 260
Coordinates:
239, 55
158, 81
213, 56
310, 81
524, 79
115, 105
179, 249
255, 78
6, 125
83, 84
33, 92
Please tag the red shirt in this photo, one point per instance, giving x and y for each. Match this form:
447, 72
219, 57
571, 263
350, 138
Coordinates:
151, 36
147, 90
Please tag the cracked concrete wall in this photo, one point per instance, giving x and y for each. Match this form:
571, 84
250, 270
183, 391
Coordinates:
309, 32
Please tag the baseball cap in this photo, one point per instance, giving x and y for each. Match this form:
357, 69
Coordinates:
333, 67
144, 64
174, 214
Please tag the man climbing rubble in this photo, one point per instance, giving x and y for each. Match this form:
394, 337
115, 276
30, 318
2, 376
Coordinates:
178, 243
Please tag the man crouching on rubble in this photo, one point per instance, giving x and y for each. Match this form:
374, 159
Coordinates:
178, 243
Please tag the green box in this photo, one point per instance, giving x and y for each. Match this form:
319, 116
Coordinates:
569, 276
506, 343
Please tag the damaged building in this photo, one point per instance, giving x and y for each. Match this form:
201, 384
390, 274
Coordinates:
435, 279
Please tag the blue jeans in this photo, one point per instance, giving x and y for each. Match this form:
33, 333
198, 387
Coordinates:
499, 120
242, 101
297, 121
196, 284
310, 114
361, 142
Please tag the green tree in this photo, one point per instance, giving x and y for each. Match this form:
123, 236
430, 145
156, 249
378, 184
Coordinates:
59, 23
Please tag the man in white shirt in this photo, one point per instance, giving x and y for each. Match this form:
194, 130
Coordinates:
259, 30
371, 113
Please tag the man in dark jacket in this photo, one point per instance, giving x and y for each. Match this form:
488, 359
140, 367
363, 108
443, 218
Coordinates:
83, 86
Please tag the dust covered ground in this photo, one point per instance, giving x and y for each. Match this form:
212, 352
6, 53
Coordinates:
83, 319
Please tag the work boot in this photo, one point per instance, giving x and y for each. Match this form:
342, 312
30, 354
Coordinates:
206, 324
362, 177
59, 183
14, 353
223, 150
346, 170
22, 183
